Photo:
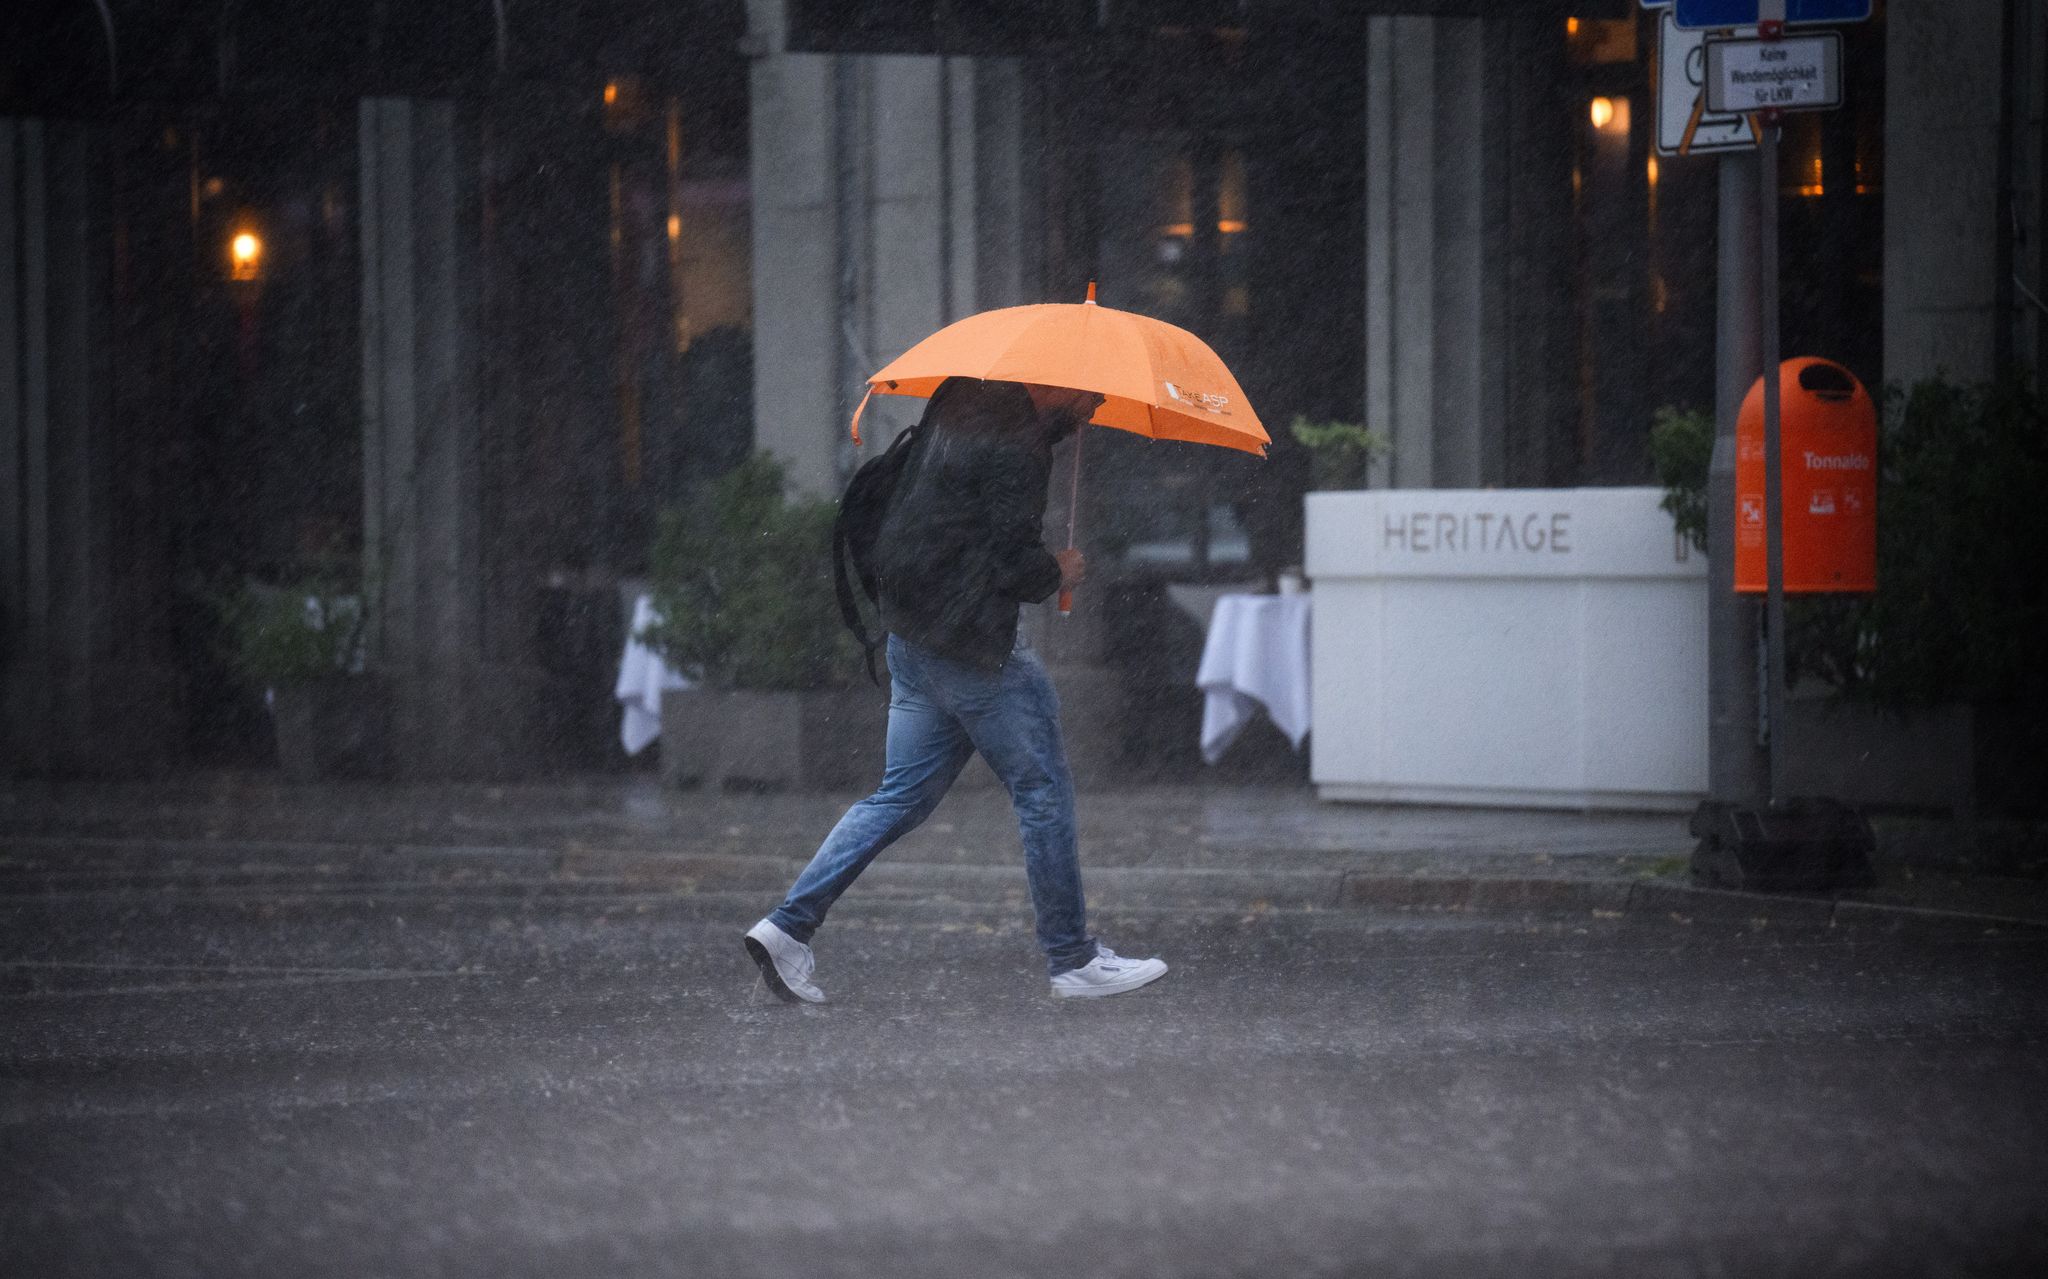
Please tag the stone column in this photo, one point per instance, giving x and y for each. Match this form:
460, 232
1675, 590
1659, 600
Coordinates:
892, 194
82, 692
1965, 217
453, 714
797, 329
1435, 226
1941, 198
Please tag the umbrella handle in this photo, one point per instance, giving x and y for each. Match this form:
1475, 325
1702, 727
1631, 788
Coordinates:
1074, 503
859, 409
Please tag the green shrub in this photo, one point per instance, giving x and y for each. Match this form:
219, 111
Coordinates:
1962, 539
742, 585
1962, 544
1340, 453
302, 630
1682, 450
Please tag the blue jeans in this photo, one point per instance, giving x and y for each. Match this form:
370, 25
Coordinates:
940, 713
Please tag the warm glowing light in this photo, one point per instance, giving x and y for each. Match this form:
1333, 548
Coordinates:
1571, 26
245, 255
1609, 115
1653, 170
1603, 112
675, 226
611, 94
1814, 185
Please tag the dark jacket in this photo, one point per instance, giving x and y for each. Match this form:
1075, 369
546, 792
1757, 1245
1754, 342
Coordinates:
960, 548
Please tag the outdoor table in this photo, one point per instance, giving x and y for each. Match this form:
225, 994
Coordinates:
1256, 656
643, 677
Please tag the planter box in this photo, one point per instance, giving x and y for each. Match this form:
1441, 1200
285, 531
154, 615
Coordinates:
829, 739
339, 726
1538, 648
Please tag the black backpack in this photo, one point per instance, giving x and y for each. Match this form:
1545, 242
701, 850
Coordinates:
855, 531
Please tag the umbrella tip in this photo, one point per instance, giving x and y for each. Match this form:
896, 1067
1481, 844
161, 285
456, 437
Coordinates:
1091, 293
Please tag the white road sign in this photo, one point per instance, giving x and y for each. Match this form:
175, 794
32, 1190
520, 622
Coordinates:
1796, 73
1684, 125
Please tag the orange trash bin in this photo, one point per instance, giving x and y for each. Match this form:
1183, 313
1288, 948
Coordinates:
1827, 428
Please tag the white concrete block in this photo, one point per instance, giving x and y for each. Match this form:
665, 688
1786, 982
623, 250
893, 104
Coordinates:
1528, 647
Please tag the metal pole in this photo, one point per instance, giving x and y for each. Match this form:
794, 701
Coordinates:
2005, 333
1771, 26
1737, 765
1074, 502
1074, 488
1774, 503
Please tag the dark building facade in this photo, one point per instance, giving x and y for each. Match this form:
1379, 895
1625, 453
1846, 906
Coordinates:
450, 300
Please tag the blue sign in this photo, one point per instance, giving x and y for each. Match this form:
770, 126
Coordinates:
1708, 15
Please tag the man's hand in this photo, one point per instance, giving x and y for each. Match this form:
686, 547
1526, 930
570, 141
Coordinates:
1073, 567
1063, 400
1062, 410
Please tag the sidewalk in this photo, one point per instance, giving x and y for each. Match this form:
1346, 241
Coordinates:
1223, 847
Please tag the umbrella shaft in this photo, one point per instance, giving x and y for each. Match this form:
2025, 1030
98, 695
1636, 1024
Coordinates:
1073, 509
1074, 486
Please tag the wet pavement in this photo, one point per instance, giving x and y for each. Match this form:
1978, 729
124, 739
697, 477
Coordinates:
1189, 843
442, 1033
1128, 826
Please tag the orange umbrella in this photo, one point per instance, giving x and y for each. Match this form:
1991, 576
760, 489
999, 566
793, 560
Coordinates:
1156, 380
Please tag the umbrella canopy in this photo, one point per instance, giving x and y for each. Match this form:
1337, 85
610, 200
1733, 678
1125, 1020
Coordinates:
1156, 380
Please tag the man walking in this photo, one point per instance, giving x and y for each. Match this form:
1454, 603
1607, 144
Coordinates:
960, 551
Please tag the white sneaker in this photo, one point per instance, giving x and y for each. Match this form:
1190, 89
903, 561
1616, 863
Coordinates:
1107, 974
785, 964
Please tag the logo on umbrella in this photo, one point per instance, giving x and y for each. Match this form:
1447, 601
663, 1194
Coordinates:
1199, 399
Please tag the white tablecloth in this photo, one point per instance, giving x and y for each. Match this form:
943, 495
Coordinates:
1256, 655
643, 676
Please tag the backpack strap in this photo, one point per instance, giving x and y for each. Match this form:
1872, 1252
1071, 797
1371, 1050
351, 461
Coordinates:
849, 613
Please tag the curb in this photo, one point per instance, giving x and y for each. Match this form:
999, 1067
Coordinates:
1124, 887
1109, 887
1685, 903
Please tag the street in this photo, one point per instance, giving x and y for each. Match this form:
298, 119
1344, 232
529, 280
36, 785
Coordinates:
251, 1058
1499, 530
